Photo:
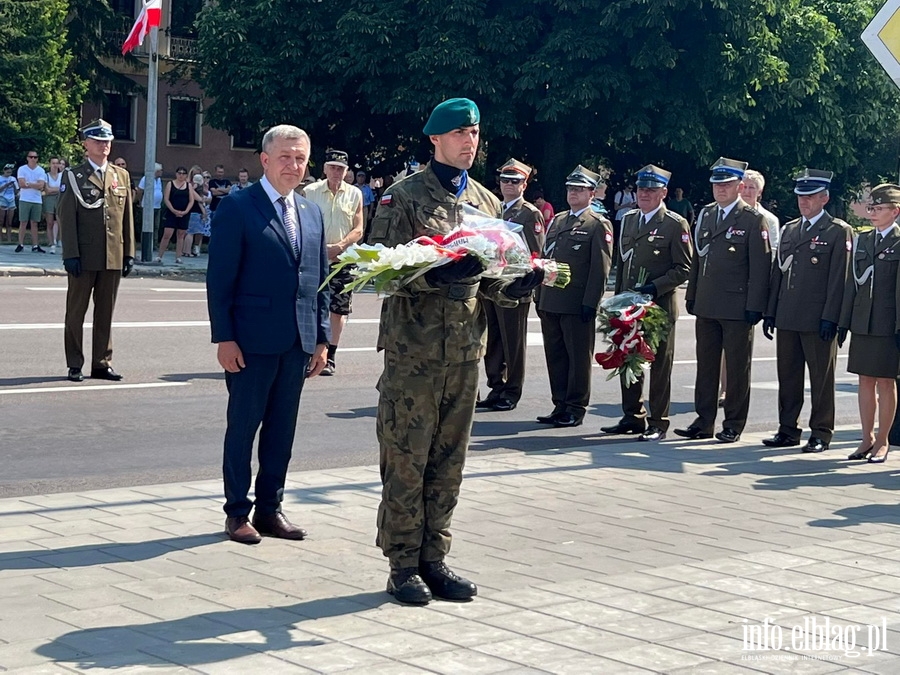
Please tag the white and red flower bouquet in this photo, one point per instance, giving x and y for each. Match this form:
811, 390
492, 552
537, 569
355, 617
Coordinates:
633, 326
497, 243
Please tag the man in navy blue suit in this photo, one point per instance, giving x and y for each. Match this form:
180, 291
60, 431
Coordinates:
266, 262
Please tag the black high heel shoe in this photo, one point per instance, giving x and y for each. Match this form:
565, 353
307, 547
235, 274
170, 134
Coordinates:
880, 460
861, 454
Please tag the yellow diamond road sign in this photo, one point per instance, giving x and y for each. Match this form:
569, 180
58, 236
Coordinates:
882, 37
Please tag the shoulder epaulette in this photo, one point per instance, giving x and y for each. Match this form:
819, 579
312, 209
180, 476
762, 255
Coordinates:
675, 216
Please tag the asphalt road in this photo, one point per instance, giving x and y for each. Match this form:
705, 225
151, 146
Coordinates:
165, 421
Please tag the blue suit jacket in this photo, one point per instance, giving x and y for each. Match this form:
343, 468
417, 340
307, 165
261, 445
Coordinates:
258, 294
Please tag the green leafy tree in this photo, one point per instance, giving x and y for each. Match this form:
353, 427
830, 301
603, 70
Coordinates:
779, 83
38, 99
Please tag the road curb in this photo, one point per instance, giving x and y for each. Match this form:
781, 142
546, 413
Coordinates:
138, 271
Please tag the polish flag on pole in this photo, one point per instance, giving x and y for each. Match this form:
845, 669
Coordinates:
148, 18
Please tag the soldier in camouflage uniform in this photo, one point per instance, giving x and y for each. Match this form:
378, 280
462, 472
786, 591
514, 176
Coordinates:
433, 335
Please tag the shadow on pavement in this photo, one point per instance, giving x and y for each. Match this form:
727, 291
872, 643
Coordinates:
102, 554
15, 381
191, 641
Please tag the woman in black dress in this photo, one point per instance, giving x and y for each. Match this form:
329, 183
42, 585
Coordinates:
179, 200
871, 311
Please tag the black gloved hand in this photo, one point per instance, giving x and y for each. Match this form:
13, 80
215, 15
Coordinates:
464, 268
588, 313
768, 327
73, 266
647, 289
522, 286
841, 336
689, 306
752, 318
827, 330
128, 266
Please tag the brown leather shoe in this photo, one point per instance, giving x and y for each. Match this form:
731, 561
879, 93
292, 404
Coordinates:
240, 530
277, 525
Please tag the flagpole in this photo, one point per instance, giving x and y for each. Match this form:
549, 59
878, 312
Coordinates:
147, 243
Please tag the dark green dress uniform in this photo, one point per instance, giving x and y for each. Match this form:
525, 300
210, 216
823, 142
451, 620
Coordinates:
871, 308
433, 339
507, 327
729, 279
807, 287
661, 250
96, 223
584, 241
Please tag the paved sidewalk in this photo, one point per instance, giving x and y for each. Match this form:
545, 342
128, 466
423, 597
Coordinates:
28, 264
616, 557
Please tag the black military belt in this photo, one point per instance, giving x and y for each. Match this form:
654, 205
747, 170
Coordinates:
459, 291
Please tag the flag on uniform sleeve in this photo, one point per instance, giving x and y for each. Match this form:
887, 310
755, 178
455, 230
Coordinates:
149, 17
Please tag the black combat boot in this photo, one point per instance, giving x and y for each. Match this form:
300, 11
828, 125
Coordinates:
444, 583
407, 586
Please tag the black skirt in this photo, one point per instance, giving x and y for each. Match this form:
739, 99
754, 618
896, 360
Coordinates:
874, 355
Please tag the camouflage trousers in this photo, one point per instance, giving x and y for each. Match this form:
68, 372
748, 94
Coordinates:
424, 420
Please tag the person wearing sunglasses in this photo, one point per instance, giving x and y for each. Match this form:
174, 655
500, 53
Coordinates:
871, 313
32, 180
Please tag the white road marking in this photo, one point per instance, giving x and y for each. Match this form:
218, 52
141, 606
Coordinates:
116, 324
772, 385
91, 387
202, 289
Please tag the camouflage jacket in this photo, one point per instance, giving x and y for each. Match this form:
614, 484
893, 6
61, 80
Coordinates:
423, 321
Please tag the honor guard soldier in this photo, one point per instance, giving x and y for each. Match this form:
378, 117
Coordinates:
728, 292
507, 327
432, 334
95, 217
805, 296
655, 251
583, 239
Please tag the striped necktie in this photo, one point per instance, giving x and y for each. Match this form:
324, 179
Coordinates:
290, 224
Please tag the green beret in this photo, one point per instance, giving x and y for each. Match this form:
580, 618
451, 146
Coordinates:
454, 113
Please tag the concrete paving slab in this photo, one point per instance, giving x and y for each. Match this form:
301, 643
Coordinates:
619, 567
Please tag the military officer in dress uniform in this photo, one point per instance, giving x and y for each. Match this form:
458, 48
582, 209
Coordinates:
583, 239
654, 257
728, 292
504, 358
95, 217
805, 296
432, 334
871, 312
